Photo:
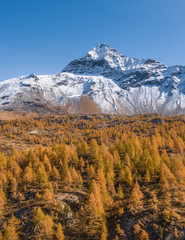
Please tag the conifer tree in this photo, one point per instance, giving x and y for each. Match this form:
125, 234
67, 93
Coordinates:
94, 151
55, 174
128, 176
1, 236
28, 175
43, 223
13, 187
101, 182
120, 193
167, 179
47, 227
178, 169
116, 157
42, 177
47, 164
59, 233
135, 200
82, 219
165, 158
67, 181
147, 176
48, 194
2, 201
81, 164
95, 212
12, 231
127, 160
90, 172
38, 217
122, 175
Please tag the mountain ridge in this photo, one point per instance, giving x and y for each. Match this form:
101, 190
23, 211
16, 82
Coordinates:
112, 82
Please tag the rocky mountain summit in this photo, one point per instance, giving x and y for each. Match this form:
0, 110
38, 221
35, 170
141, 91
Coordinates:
103, 81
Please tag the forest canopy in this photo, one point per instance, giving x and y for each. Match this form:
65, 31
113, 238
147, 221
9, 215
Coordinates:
92, 177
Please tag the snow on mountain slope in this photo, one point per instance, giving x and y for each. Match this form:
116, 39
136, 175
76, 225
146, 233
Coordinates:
112, 83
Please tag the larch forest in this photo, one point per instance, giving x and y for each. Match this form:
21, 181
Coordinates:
101, 177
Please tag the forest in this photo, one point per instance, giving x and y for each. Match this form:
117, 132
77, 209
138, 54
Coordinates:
94, 177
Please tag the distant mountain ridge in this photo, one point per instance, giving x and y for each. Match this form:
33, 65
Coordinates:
103, 81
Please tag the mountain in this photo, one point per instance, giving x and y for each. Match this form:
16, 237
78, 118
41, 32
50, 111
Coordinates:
103, 81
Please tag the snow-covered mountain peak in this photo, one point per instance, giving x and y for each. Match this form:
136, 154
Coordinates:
103, 80
101, 51
32, 75
102, 60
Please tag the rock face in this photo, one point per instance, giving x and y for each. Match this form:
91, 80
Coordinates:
102, 81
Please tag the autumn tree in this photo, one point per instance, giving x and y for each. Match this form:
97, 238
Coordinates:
59, 232
12, 231
28, 174
43, 223
42, 177
135, 200
95, 212
128, 176
1, 236
140, 233
2, 201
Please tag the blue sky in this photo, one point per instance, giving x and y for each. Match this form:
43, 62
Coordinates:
42, 36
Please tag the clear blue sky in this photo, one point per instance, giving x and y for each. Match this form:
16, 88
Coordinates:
42, 36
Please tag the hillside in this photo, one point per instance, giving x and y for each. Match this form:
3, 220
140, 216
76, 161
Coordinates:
92, 177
